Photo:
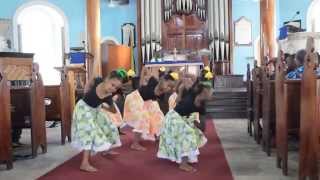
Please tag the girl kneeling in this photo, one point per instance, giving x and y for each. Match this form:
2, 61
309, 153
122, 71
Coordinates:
92, 130
180, 139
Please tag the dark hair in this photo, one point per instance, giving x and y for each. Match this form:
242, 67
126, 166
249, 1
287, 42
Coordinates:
300, 56
161, 73
286, 55
167, 76
116, 75
199, 86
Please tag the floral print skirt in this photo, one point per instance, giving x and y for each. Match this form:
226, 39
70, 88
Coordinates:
92, 129
116, 117
144, 117
180, 138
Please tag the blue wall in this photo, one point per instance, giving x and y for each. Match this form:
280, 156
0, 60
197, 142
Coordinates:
250, 10
111, 17
288, 8
285, 9
74, 11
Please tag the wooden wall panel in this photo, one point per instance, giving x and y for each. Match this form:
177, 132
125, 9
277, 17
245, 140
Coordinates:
185, 32
115, 56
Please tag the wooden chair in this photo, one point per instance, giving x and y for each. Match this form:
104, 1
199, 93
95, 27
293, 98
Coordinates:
5, 123
249, 100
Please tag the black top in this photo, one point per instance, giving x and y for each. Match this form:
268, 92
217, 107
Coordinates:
91, 97
147, 91
185, 92
186, 105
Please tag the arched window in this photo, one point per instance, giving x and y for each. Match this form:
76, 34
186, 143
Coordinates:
313, 21
40, 28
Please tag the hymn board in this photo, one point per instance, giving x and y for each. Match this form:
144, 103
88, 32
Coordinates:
187, 26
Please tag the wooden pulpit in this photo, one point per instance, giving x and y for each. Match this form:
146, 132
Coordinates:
115, 56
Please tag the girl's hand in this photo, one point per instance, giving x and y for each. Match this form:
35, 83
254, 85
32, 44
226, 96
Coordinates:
111, 109
115, 97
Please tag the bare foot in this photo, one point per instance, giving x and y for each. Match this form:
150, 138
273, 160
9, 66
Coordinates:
187, 168
111, 153
88, 168
137, 147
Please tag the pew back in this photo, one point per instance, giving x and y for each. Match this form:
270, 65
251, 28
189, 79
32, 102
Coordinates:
5, 123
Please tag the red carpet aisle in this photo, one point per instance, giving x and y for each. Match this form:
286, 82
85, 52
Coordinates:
134, 165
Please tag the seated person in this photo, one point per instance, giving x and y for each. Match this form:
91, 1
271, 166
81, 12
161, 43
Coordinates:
299, 60
271, 68
291, 65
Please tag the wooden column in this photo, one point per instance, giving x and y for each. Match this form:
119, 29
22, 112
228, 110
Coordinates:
267, 29
93, 35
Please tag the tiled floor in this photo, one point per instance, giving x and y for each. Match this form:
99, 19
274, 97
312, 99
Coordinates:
245, 157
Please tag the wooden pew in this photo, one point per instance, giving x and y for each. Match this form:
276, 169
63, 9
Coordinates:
38, 116
27, 96
249, 100
257, 112
287, 93
53, 110
59, 107
268, 111
67, 98
309, 124
5, 123
71, 88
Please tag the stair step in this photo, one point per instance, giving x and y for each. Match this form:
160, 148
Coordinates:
239, 102
226, 109
228, 103
238, 96
229, 115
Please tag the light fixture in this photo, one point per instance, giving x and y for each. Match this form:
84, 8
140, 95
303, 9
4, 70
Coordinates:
117, 2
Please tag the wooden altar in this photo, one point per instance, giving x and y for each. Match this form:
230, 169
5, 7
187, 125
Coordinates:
191, 67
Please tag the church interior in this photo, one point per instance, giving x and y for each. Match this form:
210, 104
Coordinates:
260, 57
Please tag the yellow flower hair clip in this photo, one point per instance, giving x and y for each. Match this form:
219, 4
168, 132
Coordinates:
174, 75
206, 68
162, 69
208, 75
131, 73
